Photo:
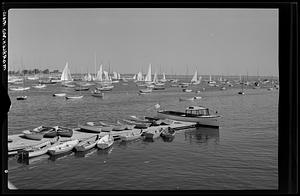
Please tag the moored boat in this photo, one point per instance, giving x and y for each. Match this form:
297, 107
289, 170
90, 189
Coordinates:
196, 114
131, 136
146, 90
87, 143
138, 125
74, 97
168, 133
81, 88
90, 128
49, 132
19, 88
39, 86
105, 142
97, 93
64, 131
105, 88
63, 147
59, 95
33, 135
153, 134
22, 97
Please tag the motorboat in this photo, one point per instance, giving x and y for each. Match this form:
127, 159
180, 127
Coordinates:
197, 114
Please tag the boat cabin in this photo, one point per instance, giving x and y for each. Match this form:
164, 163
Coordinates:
196, 111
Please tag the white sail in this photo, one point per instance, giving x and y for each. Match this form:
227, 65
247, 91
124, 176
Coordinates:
155, 78
99, 74
163, 77
140, 76
200, 78
148, 76
115, 75
66, 74
134, 77
106, 76
119, 76
194, 79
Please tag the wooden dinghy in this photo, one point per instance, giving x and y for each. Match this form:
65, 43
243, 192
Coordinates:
105, 142
168, 133
131, 136
90, 128
87, 143
97, 93
49, 132
153, 134
138, 125
33, 135
81, 89
74, 97
63, 147
59, 95
37, 150
64, 131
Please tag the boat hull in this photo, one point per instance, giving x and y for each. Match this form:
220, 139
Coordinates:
62, 148
93, 129
210, 121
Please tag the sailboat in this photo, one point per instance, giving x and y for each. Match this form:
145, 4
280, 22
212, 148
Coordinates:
195, 79
148, 76
23, 97
163, 77
66, 74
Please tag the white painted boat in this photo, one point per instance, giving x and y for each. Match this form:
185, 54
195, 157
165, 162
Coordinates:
39, 86
196, 114
147, 90
105, 142
74, 97
59, 95
40, 149
131, 136
87, 143
19, 88
63, 147
105, 88
153, 134
187, 90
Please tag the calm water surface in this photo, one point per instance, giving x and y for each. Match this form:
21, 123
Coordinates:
241, 154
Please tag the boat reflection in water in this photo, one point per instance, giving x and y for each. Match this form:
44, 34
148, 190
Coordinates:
60, 156
81, 154
202, 135
105, 151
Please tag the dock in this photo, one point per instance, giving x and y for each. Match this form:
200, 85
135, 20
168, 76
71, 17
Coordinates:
19, 142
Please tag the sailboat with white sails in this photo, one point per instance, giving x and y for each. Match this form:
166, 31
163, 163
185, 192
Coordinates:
195, 79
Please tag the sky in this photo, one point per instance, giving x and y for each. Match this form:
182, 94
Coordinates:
174, 41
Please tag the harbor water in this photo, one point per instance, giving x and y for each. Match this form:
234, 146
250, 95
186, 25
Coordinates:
241, 155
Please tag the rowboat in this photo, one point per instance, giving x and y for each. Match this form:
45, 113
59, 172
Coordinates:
189, 99
39, 86
141, 119
128, 126
59, 94
157, 87
187, 90
81, 89
74, 97
147, 90
69, 85
90, 128
97, 93
105, 142
87, 143
37, 150
63, 147
49, 132
64, 131
22, 97
19, 88
196, 114
33, 135
138, 125
131, 136
168, 133
105, 88
153, 134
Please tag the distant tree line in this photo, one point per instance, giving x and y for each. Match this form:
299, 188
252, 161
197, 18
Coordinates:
32, 71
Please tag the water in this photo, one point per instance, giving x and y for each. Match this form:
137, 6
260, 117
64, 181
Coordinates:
240, 155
